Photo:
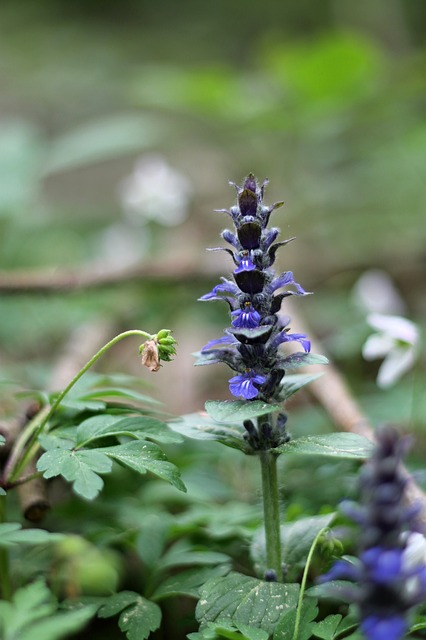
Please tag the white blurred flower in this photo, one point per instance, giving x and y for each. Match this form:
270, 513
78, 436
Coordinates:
375, 292
396, 341
414, 558
155, 191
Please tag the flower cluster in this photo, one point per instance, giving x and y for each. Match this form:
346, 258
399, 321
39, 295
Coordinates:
251, 345
160, 346
390, 579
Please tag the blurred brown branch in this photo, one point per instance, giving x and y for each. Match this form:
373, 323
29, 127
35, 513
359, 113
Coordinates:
51, 281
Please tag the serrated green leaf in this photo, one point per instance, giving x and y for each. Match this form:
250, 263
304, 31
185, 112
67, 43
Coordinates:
140, 427
326, 629
79, 467
301, 359
285, 628
248, 600
139, 616
292, 383
11, 533
336, 445
189, 582
238, 410
143, 456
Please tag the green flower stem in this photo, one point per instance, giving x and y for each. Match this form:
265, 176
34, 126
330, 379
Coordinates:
271, 511
42, 418
5, 585
303, 583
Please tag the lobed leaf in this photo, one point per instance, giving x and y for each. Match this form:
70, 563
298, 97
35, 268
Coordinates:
143, 456
139, 616
79, 467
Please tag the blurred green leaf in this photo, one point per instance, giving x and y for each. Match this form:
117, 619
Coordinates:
32, 616
102, 140
11, 533
140, 427
292, 383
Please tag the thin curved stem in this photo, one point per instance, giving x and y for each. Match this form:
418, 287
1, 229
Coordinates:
37, 425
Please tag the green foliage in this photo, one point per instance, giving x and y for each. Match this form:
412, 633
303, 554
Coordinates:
296, 540
238, 410
248, 600
33, 615
285, 628
138, 616
11, 534
336, 445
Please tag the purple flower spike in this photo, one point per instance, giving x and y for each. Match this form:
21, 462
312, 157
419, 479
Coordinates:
244, 385
379, 628
247, 318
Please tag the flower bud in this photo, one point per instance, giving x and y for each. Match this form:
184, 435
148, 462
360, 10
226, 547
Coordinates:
150, 355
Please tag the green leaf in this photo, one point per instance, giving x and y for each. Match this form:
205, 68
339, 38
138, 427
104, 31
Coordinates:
79, 467
182, 553
301, 359
326, 629
238, 410
143, 456
101, 140
139, 617
11, 533
285, 628
296, 540
293, 383
336, 445
297, 537
188, 582
200, 427
119, 392
32, 616
140, 427
248, 600
2, 440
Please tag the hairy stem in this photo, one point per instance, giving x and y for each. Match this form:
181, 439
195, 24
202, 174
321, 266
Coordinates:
42, 418
271, 511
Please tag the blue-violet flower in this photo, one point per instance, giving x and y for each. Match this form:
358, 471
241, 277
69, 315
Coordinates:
251, 345
389, 579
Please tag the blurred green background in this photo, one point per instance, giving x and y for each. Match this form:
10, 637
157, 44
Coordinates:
120, 126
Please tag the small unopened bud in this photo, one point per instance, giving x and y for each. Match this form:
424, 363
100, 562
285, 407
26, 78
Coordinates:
150, 355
